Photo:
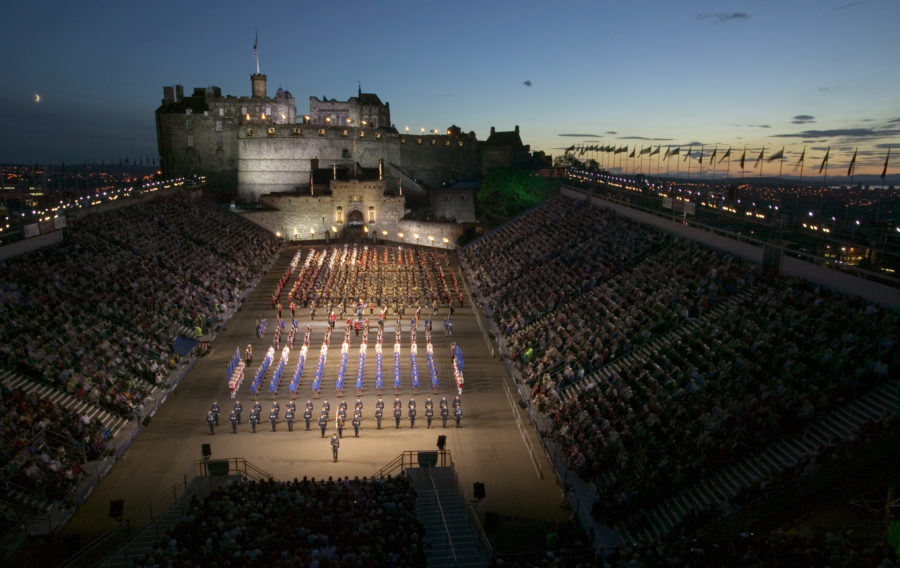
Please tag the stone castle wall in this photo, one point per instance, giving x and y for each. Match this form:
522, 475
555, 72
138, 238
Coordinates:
277, 158
314, 218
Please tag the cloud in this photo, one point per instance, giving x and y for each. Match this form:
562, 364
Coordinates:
720, 17
613, 132
803, 119
894, 121
847, 132
761, 126
582, 135
851, 4
527, 83
887, 145
824, 89
645, 138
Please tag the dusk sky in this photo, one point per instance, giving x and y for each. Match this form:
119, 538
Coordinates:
779, 73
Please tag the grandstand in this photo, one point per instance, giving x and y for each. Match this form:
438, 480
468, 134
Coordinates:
667, 394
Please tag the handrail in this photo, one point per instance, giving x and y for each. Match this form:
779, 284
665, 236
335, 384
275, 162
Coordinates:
443, 518
409, 459
88, 556
394, 464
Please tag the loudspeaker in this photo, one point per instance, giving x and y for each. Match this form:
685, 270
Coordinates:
116, 508
442, 442
218, 467
478, 490
427, 459
206, 450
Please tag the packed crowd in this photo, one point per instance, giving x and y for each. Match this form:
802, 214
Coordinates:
574, 289
306, 522
845, 549
45, 445
97, 314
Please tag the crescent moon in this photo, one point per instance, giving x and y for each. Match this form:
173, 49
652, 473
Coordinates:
37, 97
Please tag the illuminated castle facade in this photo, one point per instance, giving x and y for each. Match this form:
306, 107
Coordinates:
257, 145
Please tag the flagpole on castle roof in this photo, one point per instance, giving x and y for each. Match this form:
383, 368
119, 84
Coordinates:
256, 50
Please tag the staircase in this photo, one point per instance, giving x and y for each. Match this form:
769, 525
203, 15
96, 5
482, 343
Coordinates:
14, 381
451, 539
716, 491
146, 540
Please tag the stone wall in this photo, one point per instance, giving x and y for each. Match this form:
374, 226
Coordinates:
453, 203
277, 158
305, 218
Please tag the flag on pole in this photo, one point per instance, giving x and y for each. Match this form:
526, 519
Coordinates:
852, 163
655, 152
668, 151
674, 152
777, 155
688, 153
884, 170
802, 156
646, 150
631, 155
743, 158
760, 157
727, 154
701, 155
825, 159
712, 157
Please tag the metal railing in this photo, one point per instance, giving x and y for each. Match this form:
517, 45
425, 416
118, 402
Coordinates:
410, 459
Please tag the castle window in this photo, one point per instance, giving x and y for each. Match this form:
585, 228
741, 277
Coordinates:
268, 111
271, 130
459, 144
339, 214
433, 141
418, 140
219, 126
345, 132
403, 140
243, 110
220, 142
362, 133
221, 111
446, 142
378, 136
249, 132
188, 124
371, 214
321, 132
190, 141
189, 111
296, 132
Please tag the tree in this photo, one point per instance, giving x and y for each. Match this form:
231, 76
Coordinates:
507, 192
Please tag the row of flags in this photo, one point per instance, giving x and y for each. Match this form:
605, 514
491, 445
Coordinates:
711, 159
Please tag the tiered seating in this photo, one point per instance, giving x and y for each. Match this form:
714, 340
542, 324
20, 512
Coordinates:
662, 364
45, 447
167, 267
334, 523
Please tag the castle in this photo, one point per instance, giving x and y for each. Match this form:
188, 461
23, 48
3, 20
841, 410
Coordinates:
257, 145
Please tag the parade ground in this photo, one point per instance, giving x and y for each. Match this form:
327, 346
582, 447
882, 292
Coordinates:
495, 445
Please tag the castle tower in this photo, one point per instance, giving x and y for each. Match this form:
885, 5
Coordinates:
258, 82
